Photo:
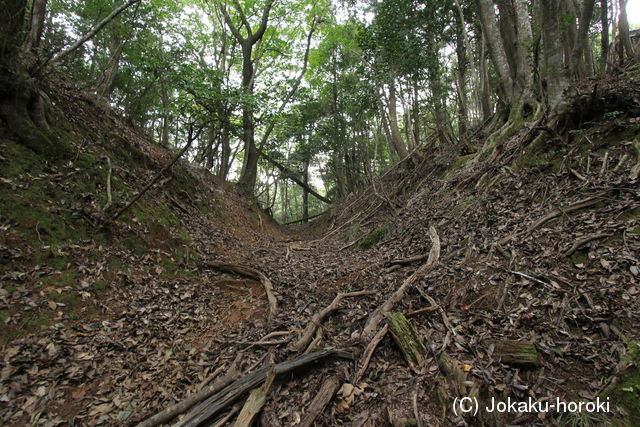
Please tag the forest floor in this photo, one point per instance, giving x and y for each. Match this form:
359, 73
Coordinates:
544, 250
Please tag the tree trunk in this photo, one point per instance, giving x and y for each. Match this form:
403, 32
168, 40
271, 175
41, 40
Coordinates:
496, 48
396, 138
106, 86
556, 79
604, 34
485, 101
415, 112
35, 26
461, 53
623, 28
305, 191
576, 65
223, 172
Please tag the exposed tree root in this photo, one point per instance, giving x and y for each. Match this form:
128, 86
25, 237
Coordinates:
314, 323
253, 274
382, 311
584, 241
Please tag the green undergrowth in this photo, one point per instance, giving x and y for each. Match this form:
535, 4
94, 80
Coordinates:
373, 238
625, 392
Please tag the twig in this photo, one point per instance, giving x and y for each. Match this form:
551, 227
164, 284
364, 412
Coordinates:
159, 174
416, 414
603, 169
368, 352
377, 316
317, 318
109, 199
533, 279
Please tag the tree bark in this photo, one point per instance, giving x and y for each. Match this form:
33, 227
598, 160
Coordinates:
623, 28
556, 79
582, 38
35, 25
396, 138
604, 34
497, 51
106, 86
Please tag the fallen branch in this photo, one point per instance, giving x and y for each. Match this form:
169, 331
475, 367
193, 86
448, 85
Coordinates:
253, 274
307, 218
230, 394
408, 340
171, 412
406, 261
314, 323
255, 402
382, 311
584, 241
368, 352
155, 179
322, 399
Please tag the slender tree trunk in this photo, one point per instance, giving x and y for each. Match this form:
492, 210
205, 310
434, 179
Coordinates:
166, 119
461, 54
35, 25
626, 49
415, 112
604, 34
497, 51
576, 65
485, 101
107, 84
226, 153
305, 192
396, 138
556, 79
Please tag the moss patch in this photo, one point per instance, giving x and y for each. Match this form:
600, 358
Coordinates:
373, 238
626, 394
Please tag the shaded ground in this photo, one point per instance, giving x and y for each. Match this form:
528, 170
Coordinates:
148, 323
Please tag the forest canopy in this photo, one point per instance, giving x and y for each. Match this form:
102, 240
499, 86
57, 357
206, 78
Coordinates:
303, 102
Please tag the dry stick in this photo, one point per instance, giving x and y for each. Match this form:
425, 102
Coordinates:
377, 316
222, 421
306, 219
584, 241
184, 405
322, 399
317, 318
251, 273
405, 261
225, 397
368, 352
255, 402
109, 198
159, 174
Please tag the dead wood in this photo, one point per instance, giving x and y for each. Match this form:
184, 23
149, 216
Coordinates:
230, 394
408, 340
368, 352
517, 353
382, 311
405, 261
255, 402
173, 411
253, 274
314, 323
161, 172
322, 399
584, 241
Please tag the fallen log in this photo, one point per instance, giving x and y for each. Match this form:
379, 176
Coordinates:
171, 412
408, 340
376, 317
322, 399
517, 353
253, 274
314, 323
230, 394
